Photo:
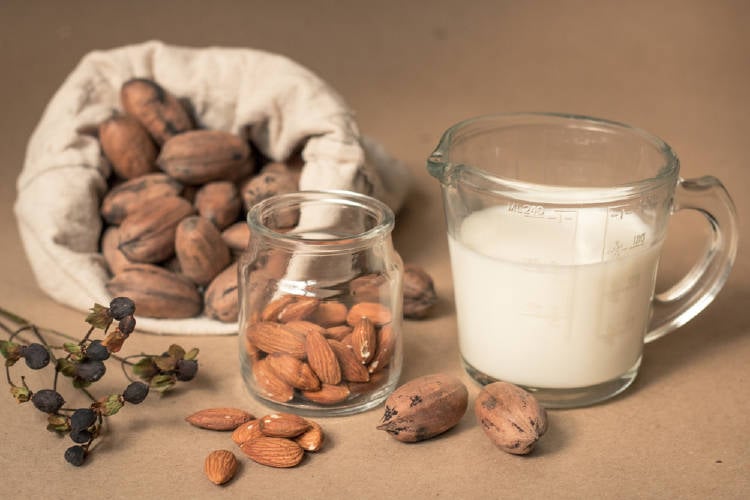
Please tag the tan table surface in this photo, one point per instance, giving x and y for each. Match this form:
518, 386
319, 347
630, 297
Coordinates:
680, 69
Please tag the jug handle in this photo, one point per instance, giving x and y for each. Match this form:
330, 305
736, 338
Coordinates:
689, 296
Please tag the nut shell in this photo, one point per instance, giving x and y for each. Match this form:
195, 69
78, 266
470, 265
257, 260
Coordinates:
219, 202
116, 260
221, 297
424, 407
148, 234
202, 156
155, 108
419, 292
130, 196
511, 417
158, 292
127, 146
200, 250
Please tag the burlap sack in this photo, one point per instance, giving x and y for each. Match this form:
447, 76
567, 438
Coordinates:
281, 103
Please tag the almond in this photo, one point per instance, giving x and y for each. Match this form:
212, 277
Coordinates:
294, 372
273, 451
300, 309
424, 407
322, 359
273, 337
511, 417
377, 380
351, 369
219, 419
384, 351
364, 340
305, 327
273, 308
375, 312
312, 439
220, 466
338, 332
330, 313
368, 288
284, 425
270, 384
328, 394
247, 431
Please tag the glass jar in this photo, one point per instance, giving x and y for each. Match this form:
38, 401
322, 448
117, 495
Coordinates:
320, 292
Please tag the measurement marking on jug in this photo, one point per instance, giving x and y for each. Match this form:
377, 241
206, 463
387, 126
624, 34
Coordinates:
638, 240
526, 209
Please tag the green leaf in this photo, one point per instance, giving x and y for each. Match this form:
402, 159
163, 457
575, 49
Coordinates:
165, 363
110, 405
66, 367
192, 353
72, 348
163, 383
21, 394
145, 368
99, 317
79, 383
57, 419
10, 350
176, 351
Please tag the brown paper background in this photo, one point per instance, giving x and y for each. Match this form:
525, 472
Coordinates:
680, 69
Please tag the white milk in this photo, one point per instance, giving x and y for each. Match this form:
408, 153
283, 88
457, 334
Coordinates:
553, 300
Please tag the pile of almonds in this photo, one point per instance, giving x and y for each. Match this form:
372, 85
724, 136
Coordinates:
176, 205
275, 440
323, 352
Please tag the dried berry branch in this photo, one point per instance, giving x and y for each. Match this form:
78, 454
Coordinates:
84, 363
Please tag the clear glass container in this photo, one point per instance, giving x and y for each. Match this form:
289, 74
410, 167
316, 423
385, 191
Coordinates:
320, 292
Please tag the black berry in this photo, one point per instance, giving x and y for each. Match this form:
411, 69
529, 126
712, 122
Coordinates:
47, 400
80, 436
135, 393
127, 325
36, 356
90, 370
75, 455
121, 307
96, 351
82, 418
186, 369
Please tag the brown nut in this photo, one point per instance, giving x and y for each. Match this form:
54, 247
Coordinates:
200, 250
155, 108
270, 384
312, 439
293, 371
265, 185
352, 370
419, 292
219, 419
511, 417
219, 202
202, 156
220, 466
364, 340
424, 407
273, 337
322, 359
328, 394
273, 451
385, 346
127, 146
286, 425
236, 236
148, 234
132, 195
116, 260
375, 312
158, 292
221, 297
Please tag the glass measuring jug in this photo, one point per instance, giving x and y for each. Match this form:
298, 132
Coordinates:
555, 226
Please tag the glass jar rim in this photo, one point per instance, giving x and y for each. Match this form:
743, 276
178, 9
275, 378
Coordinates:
382, 215
440, 166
